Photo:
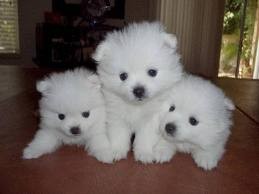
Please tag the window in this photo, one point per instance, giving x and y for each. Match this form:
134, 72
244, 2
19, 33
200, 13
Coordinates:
239, 49
9, 37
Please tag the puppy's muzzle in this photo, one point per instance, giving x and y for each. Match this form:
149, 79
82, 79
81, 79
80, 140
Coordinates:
170, 128
139, 92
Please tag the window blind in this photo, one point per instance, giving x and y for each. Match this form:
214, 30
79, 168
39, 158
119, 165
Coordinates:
9, 37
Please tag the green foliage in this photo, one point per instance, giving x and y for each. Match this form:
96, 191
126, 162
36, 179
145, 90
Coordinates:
232, 16
249, 30
230, 51
231, 26
228, 57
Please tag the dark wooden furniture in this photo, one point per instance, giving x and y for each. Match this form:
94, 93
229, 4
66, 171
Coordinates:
59, 45
71, 170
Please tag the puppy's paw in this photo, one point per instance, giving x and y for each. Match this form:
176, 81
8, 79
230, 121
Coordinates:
30, 153
205, 161
119, 151
119, 154
163, 154
105, 156
145, 157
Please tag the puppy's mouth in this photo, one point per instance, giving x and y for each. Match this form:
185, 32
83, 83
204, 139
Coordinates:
173, 138
140, 99
76, 135
72, 135
167, 136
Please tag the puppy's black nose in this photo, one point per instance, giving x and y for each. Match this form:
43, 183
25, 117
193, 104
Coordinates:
139, 92
75, 130
170, 128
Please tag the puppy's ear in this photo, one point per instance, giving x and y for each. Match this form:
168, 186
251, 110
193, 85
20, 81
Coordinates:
229, 104
170, 40
43, 86
100, 51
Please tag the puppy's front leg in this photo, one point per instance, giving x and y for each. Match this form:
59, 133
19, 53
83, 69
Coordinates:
99, 146
119, 135
163, 151
145, 140
208, 159
44, 142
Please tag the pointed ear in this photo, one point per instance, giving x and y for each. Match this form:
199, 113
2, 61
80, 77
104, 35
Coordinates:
229, 104
94, 79
170, 40
43, 86
100, 51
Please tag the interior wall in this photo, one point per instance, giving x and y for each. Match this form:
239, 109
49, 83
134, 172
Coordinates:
30, 12
197, 24
136, 10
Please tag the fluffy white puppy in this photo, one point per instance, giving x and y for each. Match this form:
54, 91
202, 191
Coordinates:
72, 111
196, 119
136, 66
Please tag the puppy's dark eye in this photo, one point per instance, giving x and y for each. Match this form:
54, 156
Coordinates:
172, 108
86, 114
61, 116
193, 121
152, 72
123, 76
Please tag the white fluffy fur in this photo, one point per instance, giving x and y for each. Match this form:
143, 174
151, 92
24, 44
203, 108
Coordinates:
195, 97
70, 93
134, 50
